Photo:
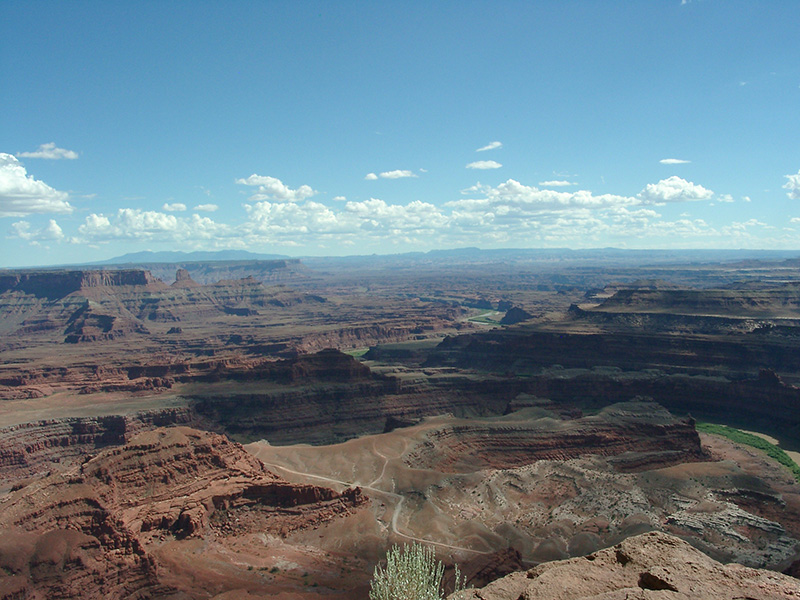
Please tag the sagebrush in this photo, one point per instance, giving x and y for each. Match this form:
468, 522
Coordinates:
411, 573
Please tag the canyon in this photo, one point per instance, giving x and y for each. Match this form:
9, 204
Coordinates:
508, 409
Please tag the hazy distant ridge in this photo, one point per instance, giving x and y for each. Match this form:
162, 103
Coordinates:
179, 257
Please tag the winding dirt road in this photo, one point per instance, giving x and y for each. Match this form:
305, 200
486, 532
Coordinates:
398, 497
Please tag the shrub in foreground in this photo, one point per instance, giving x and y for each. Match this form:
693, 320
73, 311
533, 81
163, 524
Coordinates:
411, 573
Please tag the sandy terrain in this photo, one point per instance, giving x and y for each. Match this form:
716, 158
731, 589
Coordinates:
552, 509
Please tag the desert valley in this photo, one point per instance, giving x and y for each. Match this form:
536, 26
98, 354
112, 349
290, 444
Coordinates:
253, 429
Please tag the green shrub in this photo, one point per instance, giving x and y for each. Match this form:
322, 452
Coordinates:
412, 573
748, 439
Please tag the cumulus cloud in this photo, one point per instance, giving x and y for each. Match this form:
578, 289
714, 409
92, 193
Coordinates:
515, 197
674, 161
725, 198
490, 146
50, 232
511, 214
397, 174
793, 185
417, 217
206, 207
21, 194
174, 207
673, 189
51, 152
146, 225
272, 188
556, 183
484, 164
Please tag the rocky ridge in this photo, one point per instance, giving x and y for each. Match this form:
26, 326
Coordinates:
86, 532
38, 448
650, 566
638, 435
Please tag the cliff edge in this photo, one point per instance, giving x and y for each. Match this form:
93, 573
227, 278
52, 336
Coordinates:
649, 566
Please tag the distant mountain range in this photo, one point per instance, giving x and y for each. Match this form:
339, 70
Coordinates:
148, 256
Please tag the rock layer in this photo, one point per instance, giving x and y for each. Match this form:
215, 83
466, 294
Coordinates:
638, 435
39, 447
645, 567
84, 533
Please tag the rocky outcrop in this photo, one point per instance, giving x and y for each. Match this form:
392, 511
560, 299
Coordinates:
57, 284
648, 566
40, 447
326, 366
88, 324
636, 348
369, 335
208, 272
482, 570
515, 315
77, 561
708, 365
348, 402
638, 435
775, 302
84, 533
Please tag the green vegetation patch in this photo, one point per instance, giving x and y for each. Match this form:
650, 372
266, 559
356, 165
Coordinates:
358, 353
748, 439
490, 317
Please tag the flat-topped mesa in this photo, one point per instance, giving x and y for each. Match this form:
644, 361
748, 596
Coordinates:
57, 284
776, 302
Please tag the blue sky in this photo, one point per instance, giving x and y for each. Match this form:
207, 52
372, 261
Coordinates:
322, 128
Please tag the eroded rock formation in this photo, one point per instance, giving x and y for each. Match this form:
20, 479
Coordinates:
86, 532
39, 447
648, 566
638, 435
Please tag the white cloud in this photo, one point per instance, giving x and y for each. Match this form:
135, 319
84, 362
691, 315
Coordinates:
746, 199
484, 164
515, 198
50, 232
793, 185
272, 188
490, 146
556, 183
174, 207
21, 194
725, 198
375, 214
510, 214
206, 207
673, 189
674, 161
141, 225
50, 151
397, 174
